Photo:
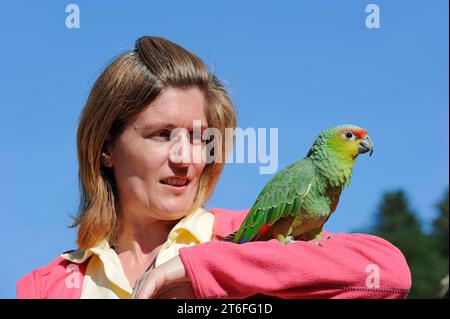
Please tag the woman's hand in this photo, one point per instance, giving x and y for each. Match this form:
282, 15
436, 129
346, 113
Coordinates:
166, 281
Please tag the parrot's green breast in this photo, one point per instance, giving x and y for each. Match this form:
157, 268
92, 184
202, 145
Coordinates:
317, 207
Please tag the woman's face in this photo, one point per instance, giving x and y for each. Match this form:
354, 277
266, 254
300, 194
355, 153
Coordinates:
155, 175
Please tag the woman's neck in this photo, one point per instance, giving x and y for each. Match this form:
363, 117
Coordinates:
141, 238
139, 243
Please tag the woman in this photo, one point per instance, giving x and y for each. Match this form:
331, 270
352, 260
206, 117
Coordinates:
142, 229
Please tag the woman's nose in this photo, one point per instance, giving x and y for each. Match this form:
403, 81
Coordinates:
180, 150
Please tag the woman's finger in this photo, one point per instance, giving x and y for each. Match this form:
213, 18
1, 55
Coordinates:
138, 285
150, 285
139, 281
182, 290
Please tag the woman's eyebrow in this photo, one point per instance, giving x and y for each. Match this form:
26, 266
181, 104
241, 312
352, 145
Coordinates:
150, 126
163, 125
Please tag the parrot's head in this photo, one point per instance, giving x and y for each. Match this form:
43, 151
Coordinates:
344, 142
335, 150
348, 141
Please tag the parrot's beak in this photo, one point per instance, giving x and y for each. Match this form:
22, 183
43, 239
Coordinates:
365, 146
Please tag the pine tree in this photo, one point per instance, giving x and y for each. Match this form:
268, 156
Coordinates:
440, 233
397, 223
441, 225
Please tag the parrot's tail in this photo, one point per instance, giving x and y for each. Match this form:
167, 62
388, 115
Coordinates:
230, 237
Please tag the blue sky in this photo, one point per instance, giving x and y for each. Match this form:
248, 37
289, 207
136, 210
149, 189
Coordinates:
299, 66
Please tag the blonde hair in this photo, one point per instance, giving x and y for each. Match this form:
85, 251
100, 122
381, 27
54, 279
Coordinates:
127, 86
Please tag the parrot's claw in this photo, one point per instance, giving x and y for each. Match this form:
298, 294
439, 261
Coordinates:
290, 239
285, 240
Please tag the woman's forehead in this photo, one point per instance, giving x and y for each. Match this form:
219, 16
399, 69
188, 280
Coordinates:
174, 108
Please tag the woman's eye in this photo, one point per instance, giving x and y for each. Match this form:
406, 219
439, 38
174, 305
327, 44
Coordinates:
161, 135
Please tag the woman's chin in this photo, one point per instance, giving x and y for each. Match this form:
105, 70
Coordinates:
175, 209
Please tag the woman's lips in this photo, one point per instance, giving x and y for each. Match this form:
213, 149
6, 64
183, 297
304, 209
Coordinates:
175, 181
175, 184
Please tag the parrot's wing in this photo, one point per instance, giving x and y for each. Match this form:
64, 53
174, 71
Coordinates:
282, 197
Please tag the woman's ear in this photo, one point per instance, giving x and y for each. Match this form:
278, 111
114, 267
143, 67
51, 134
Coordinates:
107, 152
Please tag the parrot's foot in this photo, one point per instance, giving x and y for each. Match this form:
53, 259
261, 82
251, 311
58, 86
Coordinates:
285, 240
289, 239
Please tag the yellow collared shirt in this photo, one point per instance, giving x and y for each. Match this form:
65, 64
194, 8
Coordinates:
104, 277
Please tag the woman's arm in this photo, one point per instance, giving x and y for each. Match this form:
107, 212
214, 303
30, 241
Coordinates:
60, 279
28, 287
344, 266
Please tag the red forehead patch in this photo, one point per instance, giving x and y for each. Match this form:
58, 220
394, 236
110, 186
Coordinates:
361, 133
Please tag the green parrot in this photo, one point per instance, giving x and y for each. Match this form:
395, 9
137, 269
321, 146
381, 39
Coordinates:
296, 202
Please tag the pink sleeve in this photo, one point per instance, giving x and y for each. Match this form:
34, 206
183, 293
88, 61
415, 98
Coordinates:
345, 266
51, 281
28, 287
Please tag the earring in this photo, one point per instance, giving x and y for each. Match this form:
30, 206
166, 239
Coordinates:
106, 161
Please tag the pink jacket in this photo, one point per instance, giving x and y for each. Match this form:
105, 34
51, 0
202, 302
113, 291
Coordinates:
338, 266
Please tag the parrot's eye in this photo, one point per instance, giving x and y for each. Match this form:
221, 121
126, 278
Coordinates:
349, 135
